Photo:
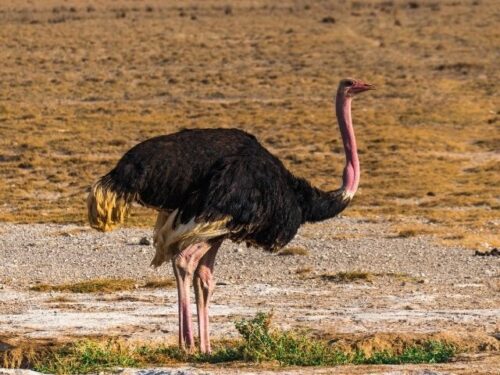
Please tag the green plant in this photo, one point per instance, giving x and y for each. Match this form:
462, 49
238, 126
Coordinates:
286, 347
85, 357
428, 352
299, 349
260, 344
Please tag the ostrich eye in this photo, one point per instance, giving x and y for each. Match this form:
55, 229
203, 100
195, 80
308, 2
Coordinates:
349, 83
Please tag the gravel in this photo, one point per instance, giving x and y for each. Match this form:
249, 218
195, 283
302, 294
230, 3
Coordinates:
52, 253
417, 286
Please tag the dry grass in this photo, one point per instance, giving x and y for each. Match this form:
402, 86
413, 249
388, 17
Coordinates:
261, 343
394, 341
355, 276
91, 286
349, 277
294, 250
59, 299
159, 283
79, 94
407, 233
102, 286
414, 229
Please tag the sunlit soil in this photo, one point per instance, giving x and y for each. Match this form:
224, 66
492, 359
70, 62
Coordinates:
82, 82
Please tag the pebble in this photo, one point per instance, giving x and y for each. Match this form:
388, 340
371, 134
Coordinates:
144, 241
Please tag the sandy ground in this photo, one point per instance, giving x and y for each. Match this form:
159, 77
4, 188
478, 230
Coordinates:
421, 288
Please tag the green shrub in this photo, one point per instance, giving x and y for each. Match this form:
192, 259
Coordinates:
260, 343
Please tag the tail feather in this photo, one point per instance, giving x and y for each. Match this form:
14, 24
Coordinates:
107, 207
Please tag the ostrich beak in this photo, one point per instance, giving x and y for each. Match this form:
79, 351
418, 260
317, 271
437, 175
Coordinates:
367, 86
362, 86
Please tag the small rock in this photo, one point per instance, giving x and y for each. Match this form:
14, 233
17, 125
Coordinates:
328, 19
144, 241
492, 252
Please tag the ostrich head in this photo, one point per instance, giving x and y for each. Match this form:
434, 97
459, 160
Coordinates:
350, 87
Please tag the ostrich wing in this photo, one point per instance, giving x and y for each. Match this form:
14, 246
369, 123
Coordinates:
252, 195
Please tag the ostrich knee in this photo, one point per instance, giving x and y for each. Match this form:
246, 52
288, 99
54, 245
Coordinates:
183, 265
206, 280
187, 260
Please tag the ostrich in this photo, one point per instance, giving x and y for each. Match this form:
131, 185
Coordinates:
209, 185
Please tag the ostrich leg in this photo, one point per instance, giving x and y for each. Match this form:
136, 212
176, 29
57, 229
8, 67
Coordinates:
184, 265
203, 287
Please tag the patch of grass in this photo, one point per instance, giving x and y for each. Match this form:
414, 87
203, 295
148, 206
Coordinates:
294, 250
407, 233
428, 352
87, 356
260, 344
349, 277
286, 347
126, 298
159, 283
104, 286
20, 356
296, 348
91, 286
354, 276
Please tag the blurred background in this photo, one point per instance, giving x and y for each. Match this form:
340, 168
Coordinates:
83, 81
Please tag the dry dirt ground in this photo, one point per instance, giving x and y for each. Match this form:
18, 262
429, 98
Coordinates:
417, 289
83, 81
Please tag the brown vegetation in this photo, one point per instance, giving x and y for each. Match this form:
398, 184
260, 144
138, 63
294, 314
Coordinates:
294, 250
347, 277
370, 343
83, 82
102, 286
86, 355
354, 276
91, 286
159, 283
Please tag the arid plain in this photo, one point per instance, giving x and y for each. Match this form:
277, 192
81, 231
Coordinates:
83, 81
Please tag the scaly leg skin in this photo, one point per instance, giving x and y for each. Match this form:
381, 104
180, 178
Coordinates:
203, 287
184, 264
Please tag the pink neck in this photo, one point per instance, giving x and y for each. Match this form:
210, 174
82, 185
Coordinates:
350, 179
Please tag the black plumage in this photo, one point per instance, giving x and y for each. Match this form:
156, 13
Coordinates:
211, 174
